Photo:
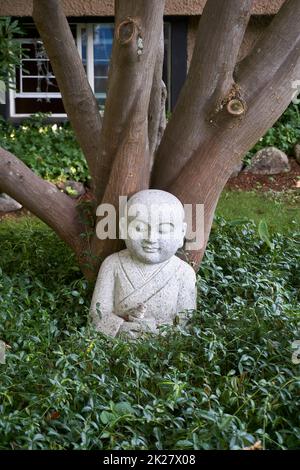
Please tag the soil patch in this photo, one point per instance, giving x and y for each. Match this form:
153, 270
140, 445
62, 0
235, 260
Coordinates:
280, 182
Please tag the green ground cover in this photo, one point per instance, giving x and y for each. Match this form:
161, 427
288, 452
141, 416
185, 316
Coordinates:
225, 382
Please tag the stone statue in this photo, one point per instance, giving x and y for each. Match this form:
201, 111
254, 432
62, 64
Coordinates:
145, 285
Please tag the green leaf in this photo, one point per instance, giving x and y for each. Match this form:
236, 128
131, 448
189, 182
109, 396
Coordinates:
123, 408
106, 417
263, 232
184, 444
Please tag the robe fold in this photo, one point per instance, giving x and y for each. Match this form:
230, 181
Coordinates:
124, 284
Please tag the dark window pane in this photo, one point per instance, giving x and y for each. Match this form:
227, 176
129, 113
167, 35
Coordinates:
39, 85
103, 41
83, 46
29, 106
101, 70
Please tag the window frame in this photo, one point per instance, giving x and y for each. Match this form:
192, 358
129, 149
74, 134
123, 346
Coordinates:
89, 27
90, 65
13, 94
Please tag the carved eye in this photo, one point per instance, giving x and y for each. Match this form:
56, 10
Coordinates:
166, 228
141, 227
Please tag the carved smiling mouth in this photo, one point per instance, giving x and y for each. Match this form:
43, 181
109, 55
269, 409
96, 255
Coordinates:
150, 249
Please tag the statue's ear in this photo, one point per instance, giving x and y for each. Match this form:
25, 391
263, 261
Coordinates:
184, 227
123, 228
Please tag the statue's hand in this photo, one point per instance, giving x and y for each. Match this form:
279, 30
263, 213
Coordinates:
131, 329
134, 329
136, 313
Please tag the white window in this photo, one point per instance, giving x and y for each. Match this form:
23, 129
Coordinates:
36, 88
94, 42
35, 84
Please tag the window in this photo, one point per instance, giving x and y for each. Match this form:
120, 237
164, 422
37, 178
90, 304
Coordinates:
94, 42
103, 41
36, 89
36, 86
167, 63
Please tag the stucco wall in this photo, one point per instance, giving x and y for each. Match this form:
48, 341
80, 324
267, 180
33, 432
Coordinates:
255, 28
105, 7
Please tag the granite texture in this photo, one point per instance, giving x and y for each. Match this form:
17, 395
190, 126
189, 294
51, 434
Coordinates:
146, 285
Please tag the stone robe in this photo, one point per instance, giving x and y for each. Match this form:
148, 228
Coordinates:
124, 284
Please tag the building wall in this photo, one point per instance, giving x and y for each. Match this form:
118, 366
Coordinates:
184, 15
105, 7
255, 29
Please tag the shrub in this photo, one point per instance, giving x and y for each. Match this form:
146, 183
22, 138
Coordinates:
10, 51
50, 150
284, 134
224, 382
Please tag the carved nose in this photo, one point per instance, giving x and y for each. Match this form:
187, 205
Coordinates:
152, 237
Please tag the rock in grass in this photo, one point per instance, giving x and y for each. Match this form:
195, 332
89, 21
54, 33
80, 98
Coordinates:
8, 204
269, 161
237, 169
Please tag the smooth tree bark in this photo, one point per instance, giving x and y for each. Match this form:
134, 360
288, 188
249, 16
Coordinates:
123, 164
124, 138
214, 137
157, 107
209, 86
222, 111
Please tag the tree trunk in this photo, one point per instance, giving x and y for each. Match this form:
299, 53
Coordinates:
124, 138
217, 137
124, 160
157, 106
223, 109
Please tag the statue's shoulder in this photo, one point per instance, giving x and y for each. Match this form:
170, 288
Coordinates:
185, 269
112, 261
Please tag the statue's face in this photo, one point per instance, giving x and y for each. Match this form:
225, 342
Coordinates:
155, 231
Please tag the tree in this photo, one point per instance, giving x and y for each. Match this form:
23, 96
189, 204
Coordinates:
222, 111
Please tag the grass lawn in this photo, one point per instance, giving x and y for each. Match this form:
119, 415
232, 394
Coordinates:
281, 211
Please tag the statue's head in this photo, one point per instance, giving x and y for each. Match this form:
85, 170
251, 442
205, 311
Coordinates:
155, 226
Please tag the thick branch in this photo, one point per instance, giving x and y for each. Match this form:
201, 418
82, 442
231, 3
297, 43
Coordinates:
208, 85
78, 98
157, 105
278, 45
265, 82
123, 163
42, 198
